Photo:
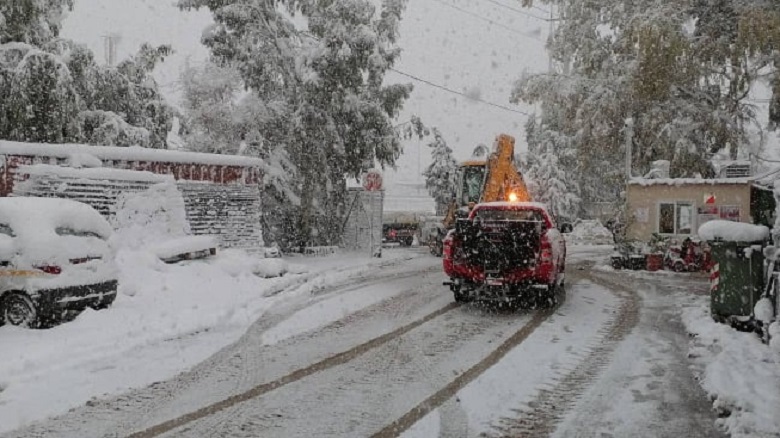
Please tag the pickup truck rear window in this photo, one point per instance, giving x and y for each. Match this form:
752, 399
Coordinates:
508, 215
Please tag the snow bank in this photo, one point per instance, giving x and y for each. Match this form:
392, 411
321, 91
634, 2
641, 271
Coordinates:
166, 318
740, 374
590, 232
733, 231
148, 218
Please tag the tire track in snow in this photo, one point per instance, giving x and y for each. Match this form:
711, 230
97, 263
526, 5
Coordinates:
127, 411
447, 392
550, 406
330, 362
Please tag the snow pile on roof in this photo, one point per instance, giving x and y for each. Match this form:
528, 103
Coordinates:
133, 153
80, 159
49, 231
740, 374
590, 232
506, 204
733, 231
99, 173
645, 182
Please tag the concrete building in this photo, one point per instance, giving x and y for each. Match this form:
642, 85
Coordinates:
676, 207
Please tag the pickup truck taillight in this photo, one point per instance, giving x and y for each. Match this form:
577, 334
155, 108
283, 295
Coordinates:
546, 255
447, 248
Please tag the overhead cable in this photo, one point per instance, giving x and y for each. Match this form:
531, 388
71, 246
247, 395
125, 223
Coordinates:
449, 90
488, 20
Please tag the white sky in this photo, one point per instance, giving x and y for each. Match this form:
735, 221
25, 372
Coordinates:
440, 44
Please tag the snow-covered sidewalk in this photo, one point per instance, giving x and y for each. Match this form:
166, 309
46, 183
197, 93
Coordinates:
166, 319
739, 373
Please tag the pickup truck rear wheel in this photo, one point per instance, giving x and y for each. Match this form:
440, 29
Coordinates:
549, 296
461, 296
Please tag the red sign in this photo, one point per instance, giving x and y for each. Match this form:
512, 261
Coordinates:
709, 198
372, 180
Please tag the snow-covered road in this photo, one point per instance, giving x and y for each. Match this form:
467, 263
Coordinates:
390, 354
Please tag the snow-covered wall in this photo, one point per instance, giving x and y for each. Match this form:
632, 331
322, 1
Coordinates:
98, 190
230, 212
221, 193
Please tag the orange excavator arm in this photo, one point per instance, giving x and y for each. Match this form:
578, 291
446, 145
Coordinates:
503, 179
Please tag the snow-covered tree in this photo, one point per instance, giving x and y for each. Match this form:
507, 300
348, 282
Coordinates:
40, 102
31, 21
221, 116
211, 95
440, 175
548, 177
325, 84
56, 93
664, 65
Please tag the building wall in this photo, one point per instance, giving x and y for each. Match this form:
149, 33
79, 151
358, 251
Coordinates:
644, 205
363, 227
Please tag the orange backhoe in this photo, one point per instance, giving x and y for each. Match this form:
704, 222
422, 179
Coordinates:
495, 178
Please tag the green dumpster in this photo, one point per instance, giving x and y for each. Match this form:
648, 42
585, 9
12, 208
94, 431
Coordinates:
737, 275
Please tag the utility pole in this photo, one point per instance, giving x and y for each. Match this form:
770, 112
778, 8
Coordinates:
629, 132
551, 30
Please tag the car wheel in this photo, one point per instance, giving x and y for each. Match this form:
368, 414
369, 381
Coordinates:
18, 309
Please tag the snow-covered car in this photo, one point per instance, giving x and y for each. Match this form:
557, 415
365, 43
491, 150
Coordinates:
54, 258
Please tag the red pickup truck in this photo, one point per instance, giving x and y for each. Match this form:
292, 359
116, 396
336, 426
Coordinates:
507, 252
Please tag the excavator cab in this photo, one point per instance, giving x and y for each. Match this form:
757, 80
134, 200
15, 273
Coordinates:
471, 182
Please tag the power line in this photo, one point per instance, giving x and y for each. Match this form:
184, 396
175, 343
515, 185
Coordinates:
441, 87
494, 23
760, 158
539, 8
519, 11
450, 90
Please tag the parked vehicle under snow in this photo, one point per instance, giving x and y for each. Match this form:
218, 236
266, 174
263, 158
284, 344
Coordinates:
54, 258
